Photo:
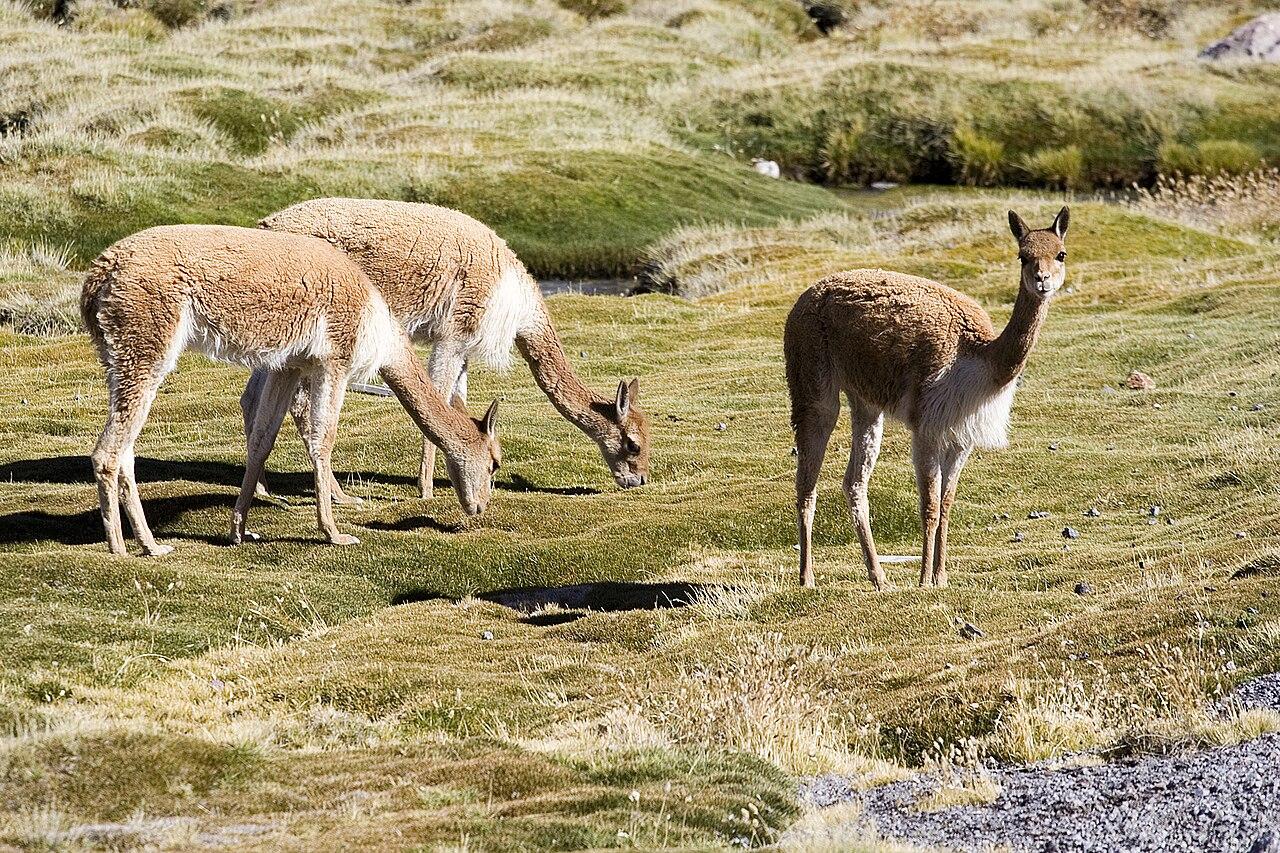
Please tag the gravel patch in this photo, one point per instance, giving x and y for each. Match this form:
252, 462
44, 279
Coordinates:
1224, 799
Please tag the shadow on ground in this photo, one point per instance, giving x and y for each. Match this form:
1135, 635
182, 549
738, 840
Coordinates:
78, 469
573, 602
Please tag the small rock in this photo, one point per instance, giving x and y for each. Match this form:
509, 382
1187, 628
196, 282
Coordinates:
487, 635
582, 354
1153, 511
1156, 406
1257, 40
1053, 446
1152, 521
1242, 623
1233, 394
768, 168
1210, 589
1257, 407
795, 547
970, 631
1092, 512
1139, 381
722, 426
1084, 588
794, 452
1252, 611
1037, 514
1240, 534
1017, 536
1070, 533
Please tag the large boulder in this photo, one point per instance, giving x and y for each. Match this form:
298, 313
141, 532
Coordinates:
1257, 40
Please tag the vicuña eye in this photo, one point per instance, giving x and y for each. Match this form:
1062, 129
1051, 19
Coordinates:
633, 446
1062, 256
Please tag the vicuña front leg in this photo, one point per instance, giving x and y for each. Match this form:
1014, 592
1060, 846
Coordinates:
448, 371
273, 400
925, 458
953, 461
868, 429
327, 391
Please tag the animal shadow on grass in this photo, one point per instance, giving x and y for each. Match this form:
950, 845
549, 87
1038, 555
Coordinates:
85, 528
78, 469
575, 601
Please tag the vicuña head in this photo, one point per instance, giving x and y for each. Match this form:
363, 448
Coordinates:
623, 436
1042, 253
472, 472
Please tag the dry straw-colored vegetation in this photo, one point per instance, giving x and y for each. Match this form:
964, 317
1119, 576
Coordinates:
291, 696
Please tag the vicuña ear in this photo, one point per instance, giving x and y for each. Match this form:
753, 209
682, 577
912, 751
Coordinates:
490, 420
1018, 226
622, 403
633, 391
1060, 221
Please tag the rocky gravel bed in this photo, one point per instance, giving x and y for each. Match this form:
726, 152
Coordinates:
1225, 799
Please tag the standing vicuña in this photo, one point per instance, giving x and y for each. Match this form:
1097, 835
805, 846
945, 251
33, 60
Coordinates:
928, 356
451, 281
293, 306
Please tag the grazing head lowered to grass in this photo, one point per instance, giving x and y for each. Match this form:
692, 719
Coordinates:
452, 282
293, 307
928, 356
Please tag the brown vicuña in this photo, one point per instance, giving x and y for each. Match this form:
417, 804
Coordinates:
928, 356
452, 282
292, 306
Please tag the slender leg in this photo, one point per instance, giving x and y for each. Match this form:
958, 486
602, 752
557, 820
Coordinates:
327, 392
300, 410
868, 429
813, 432
113, 457
133, 506
249, 401
276, 393
925, 456
448, 371
953, 460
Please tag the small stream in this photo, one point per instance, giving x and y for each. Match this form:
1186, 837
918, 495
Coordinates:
589, 286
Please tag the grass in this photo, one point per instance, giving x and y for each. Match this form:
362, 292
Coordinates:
287, 695
304, 686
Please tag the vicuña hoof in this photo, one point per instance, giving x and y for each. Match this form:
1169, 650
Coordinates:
343, 539
344, 499
158, 550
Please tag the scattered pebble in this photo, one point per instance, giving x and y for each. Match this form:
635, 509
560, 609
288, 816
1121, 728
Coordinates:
1053, 446
1257, 407
1084, 588
1152, 521
970, 631
1154, 511
1017, 536
1240, 534
1092, 512
582, 354
1070, 533
1233, 394
1156, 406
794, 451
1139, 381
1037, 514
487, 635
722, 426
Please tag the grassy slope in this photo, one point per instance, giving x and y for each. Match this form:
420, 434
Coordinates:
302, 702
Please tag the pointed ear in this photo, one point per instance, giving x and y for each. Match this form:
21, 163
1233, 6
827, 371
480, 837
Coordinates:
489, 422
1018, 226
622, 403
633, 391
1060, 221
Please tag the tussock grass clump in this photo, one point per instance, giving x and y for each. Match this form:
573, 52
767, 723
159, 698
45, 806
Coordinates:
1240, 205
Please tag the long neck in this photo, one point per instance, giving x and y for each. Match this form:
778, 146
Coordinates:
540, 346
1007, 354
447, 427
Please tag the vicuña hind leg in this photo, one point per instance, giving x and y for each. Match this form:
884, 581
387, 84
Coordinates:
813, 432
925, 457
448, 371
276, 392
953, 459
327, 391
113, 462
868, 429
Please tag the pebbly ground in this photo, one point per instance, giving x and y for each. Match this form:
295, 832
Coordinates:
1224, 799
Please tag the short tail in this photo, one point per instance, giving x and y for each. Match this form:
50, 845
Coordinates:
97, 279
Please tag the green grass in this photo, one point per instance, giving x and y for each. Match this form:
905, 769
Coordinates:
288, 695
262, 679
